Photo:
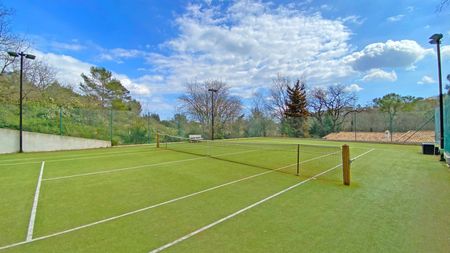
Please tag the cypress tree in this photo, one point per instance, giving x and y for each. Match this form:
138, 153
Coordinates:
297, 112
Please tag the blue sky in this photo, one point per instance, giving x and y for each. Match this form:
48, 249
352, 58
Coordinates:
155, 47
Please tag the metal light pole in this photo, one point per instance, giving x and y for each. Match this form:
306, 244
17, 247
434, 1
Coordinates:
436, 39
31, 57
212, 111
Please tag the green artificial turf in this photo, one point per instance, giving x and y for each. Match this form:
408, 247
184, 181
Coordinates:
398, 200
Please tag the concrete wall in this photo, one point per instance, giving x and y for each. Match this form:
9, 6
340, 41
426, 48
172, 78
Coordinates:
33, 142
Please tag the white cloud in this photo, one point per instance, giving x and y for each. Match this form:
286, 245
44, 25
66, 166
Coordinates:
353, 88
445, 52
395, 18
380, 75
247, 44
120, 54
353, 19
426, 80
391, 54
67, 46
69, 69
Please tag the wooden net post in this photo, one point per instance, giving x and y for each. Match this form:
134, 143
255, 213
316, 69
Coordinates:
346, 163
157, 139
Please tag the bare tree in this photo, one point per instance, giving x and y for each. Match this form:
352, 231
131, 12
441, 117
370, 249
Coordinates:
443, 4
334, 102
278, 96
196, 103
8, 40
39, 74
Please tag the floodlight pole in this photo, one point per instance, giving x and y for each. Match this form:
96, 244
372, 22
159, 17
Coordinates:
436, 39
212, 111
31, 57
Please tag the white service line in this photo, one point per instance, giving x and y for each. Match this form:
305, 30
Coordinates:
168, 245
155, 205
121, 169
138, 167
35, 204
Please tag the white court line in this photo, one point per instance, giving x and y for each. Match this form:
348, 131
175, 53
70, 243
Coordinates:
168, 245
155, 205
35, 204
48, 154
351, 160
121, 169
139, 166
80, 158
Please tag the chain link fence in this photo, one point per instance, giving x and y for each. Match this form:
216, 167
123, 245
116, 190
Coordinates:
125, 127
373, 125
119, 127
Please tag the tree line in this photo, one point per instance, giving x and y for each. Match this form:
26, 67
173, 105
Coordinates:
286, 108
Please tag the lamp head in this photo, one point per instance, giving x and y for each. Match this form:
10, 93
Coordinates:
436, 38
13, 54
30, 56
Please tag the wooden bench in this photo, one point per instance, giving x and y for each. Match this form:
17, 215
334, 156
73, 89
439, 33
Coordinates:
195, 137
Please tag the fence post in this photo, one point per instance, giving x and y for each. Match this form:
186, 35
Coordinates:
346, 163
110, 125
148, 129
157, 139
60, 121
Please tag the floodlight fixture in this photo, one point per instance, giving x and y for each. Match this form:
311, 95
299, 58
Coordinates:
436, 39
22, 56
13, 54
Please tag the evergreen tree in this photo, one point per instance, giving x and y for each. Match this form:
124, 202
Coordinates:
296, 110
109, 91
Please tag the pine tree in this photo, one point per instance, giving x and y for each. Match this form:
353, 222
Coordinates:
297, 112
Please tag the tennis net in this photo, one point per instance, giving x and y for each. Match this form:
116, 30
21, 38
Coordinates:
296, 159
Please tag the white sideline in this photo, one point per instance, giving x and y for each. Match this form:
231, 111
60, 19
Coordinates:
351, 160
155, 205
35, 204
79, 158
139, 166
49, 154
168, 245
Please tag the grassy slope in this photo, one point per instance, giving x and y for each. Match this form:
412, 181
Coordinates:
398, 202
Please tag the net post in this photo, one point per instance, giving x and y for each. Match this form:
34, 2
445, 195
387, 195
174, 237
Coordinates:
298, 159
157, 139
346, 163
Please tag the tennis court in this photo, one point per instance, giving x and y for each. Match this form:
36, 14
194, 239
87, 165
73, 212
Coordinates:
225, 196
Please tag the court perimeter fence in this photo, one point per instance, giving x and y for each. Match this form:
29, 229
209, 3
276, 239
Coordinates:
125, 127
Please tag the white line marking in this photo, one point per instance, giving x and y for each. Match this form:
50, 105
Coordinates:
48, 154
121, 169
236, 213
137, 167
79, 158
168, 245
35, 204
351, 160
155, 205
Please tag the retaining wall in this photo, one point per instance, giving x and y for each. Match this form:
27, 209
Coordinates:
33, 142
